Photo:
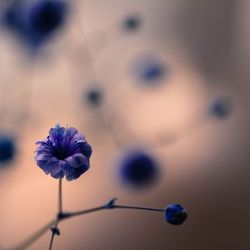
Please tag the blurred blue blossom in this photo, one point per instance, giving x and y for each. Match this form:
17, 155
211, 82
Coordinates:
65, 152
35, 21
221, 107
132, 23
7, 148
149, 69
138, 169
175, 214
94, 96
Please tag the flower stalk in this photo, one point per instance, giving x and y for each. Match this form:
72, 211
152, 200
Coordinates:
54, 229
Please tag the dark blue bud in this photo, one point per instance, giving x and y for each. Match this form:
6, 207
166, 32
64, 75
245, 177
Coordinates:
221, 107
7, 148
175, 214
138, 169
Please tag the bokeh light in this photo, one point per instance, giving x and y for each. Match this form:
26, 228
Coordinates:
34, 22
221, 107
138, 169
149, 70
7, 149
132, 23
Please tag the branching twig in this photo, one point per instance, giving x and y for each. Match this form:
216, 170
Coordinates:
66, 215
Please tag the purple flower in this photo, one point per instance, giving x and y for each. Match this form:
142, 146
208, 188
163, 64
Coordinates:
65, 152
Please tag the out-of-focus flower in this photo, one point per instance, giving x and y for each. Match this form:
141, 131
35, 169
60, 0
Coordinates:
138, 169
35, 21
132, 23
221, 107
175, 214
65, 152
94, 96
149, 69
7, 148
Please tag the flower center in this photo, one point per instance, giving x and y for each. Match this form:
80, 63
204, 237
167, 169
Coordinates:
58, 150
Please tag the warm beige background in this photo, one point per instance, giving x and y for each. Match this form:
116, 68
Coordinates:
206, 45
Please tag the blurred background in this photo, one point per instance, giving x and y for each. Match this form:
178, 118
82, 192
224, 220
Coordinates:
131, 74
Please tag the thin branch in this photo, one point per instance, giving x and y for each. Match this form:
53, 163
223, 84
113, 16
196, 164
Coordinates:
66, 215
73, 214
35, 236
51, 241
109, 205
140, 208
